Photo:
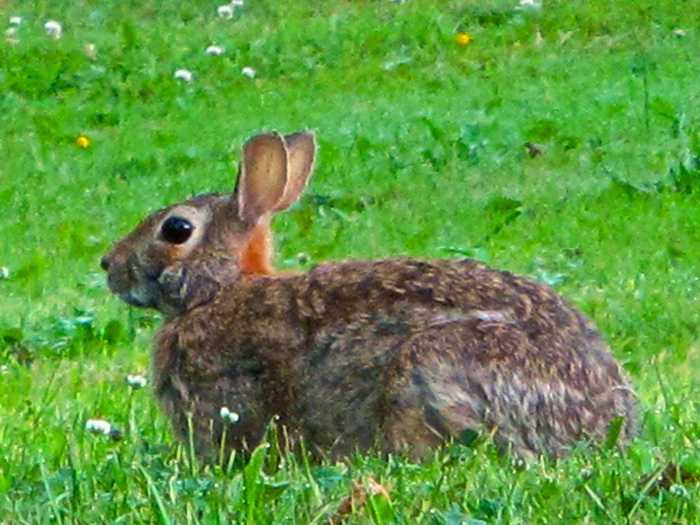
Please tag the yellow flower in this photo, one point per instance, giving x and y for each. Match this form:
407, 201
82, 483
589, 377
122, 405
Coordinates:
463, 39
82, 142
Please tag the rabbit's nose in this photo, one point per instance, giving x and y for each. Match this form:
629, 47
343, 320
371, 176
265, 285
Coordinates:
104, 263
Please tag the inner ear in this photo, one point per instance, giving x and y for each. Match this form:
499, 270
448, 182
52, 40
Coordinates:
263, 176
301, 151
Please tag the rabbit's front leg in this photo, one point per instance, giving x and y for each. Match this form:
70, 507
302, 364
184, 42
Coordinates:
209, 403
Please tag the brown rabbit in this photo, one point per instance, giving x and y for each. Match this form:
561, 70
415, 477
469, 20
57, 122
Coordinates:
400, 354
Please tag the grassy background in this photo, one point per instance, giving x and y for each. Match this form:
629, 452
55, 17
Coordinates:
421, 153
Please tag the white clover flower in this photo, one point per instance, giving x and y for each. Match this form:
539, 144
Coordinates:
4, 369
248, 72
4, 272
11, 33
183, 74
678, 490
90, 50
54, 29
225, 11
136, 381
15, 20
229, 416
236, 3
680, 33
214, 51
530, 4
99, 426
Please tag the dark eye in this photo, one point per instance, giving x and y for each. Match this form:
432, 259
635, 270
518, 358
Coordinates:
176, 230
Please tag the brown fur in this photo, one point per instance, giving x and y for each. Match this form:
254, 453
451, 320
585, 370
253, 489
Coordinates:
400, 354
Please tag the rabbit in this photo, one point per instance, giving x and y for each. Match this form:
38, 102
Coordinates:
397, 355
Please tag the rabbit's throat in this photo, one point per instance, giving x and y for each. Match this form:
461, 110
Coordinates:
256, 256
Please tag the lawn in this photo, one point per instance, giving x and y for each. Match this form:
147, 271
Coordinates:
422, 152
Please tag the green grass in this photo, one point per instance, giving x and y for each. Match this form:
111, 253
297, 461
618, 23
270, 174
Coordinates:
421, 153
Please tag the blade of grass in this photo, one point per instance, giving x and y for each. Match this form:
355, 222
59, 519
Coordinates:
153, 491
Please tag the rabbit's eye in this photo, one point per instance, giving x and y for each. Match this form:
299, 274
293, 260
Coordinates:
176, 230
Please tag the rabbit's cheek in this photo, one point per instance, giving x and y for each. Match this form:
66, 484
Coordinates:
144, 269
171, 281
184, 287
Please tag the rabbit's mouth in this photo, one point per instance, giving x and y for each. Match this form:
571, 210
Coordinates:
133, 300
138, 297
132, 284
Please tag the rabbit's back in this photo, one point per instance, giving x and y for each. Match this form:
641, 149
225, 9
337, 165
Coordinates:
408, 353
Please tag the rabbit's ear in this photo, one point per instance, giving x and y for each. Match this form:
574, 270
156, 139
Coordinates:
301, 152
263, 176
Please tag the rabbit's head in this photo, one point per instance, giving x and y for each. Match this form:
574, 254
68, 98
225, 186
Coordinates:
181, 256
